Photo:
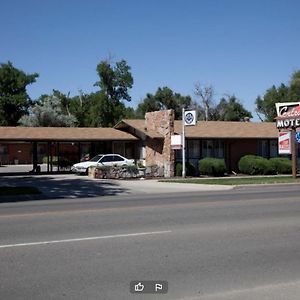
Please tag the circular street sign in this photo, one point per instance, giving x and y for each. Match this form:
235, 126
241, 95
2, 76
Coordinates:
189, 118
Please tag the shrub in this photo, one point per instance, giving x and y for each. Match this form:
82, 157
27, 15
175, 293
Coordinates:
256, 165
131, 169
212, 166
281, 165
140, 165
190, 170
178, 169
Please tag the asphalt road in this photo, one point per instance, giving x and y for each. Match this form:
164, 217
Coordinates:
238, 244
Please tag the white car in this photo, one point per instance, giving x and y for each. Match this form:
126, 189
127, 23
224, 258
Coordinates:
102, 160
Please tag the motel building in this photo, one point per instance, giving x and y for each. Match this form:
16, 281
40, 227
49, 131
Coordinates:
147, 141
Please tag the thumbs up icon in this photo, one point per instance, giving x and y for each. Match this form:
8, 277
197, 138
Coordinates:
139, 287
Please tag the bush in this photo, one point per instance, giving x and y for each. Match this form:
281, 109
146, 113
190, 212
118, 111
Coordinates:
256, 165
281, 165
212, 166
178, 169
131, 169
190, 170
140, 165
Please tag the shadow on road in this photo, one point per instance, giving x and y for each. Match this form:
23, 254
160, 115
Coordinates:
61, 186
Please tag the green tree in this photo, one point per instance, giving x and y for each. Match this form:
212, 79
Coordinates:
102, 112
149, 104
64, 101
14, 100
266, 105
79, 106
231, 110
294, 90
164, 98
128, 113
115, 81
105, 108
48, 113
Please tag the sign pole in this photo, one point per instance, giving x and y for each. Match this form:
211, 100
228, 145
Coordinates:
183, 144
288, 116
294, 154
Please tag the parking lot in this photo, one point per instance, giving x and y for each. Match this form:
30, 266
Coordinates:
8, 169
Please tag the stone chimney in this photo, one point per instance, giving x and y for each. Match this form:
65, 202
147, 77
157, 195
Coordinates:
159, 151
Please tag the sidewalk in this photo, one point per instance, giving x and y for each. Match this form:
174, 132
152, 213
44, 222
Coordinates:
154, 186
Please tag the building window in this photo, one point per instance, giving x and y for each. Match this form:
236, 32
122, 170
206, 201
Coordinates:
193, 148
219, 149
119, 148
129, 150
207, 148
3, 149
213, 148
264, 148
273, 148
178, 154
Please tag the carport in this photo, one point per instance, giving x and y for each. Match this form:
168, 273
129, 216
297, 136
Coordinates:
59, 146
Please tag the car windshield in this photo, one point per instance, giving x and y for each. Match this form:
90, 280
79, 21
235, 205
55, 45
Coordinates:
96, 158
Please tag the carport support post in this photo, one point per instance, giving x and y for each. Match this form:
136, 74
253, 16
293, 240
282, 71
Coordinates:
34, 156
48, 158
79, 151
294, 153
51, 158
58, 157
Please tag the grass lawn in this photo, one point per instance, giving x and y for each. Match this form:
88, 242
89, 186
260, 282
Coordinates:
18, 190
238, 181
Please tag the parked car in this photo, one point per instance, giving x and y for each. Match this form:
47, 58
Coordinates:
102, 160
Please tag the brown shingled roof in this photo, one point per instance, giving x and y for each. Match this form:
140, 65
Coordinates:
204, 129
212, 129
223, 129
63, 134
140, 126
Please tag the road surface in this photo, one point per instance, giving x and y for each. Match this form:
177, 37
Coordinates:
238, 244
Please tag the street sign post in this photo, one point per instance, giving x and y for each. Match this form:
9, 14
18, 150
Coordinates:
288, 117
189, 118
183, 143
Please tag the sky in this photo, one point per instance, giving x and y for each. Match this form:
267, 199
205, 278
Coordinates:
239, 47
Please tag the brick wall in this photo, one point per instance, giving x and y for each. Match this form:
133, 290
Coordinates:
19, 153
158, 151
